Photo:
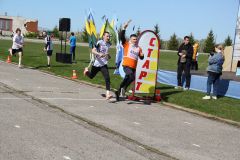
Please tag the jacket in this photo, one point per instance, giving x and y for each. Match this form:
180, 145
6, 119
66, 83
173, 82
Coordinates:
189, 52
215, 63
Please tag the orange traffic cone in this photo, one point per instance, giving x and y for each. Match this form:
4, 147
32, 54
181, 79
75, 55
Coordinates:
74, 75
8, 59
157, 95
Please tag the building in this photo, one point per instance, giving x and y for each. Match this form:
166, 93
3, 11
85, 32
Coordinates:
9, 24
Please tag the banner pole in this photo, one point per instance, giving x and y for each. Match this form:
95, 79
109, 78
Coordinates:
235, 34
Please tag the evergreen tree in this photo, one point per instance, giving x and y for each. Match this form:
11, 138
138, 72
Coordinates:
157, 30
228, 41
209, 43
84, 35
55, 32
191, 39
173, 42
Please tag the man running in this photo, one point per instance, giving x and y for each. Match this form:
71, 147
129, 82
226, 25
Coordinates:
131, 53
100, 63
17, 46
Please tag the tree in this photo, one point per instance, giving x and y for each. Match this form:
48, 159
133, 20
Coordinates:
84, 35
173, 42
157, 30
55, 32
228, 41
191, 39
138, 31
209, 43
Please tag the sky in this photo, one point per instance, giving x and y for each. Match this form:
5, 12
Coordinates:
173, 16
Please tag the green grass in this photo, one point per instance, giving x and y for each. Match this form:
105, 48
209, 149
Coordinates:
168, 61
34, 56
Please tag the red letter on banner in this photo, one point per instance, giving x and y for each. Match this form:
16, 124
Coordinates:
149, 52
142, 74
138, 85
146, 64
151, 42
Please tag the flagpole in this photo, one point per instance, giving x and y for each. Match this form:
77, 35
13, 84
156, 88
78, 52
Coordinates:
238, 15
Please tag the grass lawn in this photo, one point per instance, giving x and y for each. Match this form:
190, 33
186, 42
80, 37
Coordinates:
34, 56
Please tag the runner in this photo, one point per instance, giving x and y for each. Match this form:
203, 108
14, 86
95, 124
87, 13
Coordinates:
131, 53
17, 46
100, 63
48, 48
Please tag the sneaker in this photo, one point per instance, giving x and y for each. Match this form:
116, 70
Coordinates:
186, 89
178, 87
20, 66
206, 97
117, 95
130, 91
48, 66
85, 71
214, 97
108, 97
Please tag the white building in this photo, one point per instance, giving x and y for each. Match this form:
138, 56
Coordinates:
9, 24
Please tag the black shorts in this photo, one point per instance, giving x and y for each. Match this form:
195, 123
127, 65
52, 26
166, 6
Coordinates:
49, 52
14, 51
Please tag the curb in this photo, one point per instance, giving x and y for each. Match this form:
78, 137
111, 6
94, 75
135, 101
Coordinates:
170, 105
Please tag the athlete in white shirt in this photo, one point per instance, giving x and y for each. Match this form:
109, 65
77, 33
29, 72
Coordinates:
17, 46
102, 56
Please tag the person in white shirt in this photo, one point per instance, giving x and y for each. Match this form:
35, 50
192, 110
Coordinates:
48, 48
17, 46
100, 63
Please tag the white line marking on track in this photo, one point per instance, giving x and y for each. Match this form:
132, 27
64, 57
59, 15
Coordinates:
196, 145
17, 126
136, 123
66, 157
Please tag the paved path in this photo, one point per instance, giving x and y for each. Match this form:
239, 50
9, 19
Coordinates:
152, 131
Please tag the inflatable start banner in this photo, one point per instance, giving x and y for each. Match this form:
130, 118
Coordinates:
146, 72
236, 51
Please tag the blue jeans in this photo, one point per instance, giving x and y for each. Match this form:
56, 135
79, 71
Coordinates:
72, 51
213, 79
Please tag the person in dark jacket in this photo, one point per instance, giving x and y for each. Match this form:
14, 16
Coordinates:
214, 70
185, 53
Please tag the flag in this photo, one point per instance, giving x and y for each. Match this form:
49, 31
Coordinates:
91, 30
119, 58
107, 27
92, 35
